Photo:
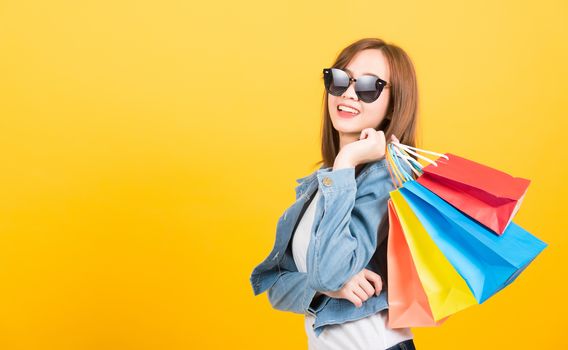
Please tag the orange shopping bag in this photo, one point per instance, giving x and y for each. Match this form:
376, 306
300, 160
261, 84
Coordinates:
408, 303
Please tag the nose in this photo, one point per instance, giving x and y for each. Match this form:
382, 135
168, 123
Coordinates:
350, 92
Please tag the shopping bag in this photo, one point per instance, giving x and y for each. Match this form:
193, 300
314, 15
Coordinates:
446, 290
488, 195
408, 303
486, 261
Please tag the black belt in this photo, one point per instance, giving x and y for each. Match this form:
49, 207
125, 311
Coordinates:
403, 345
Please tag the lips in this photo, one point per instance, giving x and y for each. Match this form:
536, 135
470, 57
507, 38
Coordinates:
347, 115
348, 108
346, 111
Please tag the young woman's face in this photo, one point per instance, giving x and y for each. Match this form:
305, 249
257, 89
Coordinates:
370, 61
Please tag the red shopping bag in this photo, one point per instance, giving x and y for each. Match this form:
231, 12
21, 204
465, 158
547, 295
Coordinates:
488, 195
408, 302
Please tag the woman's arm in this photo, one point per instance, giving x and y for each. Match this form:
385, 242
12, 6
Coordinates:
291, 292
346, 236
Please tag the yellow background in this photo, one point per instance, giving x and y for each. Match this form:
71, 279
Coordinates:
148, 148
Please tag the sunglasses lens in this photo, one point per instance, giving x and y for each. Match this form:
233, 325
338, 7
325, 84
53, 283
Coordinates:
336, 81
367, 88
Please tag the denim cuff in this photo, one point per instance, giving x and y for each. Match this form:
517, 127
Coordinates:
314, 305
330, 180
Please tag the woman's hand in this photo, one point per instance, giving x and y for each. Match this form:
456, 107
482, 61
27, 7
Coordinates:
394, 139
358, 289
371, 146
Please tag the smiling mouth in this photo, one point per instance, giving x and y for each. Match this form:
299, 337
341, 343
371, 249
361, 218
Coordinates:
348, 110
347, 113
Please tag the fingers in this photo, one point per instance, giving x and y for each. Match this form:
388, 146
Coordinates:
366, 133
375, 279
354, 298
394, 139
359, 289
366, 286
362, 294
370, 133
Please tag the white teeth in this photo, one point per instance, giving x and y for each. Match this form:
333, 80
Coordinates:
347, 109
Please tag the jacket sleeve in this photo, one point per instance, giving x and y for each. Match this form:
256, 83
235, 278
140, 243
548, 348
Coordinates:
291, 292
346, 236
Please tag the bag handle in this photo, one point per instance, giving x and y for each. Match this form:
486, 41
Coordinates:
397, 152
406, 158
392, 167
409, 148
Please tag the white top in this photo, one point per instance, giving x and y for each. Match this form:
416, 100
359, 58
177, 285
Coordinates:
370, 332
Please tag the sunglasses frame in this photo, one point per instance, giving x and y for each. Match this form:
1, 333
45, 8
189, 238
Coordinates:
328, 77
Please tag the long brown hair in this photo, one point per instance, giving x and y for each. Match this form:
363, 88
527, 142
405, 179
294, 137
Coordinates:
400, 120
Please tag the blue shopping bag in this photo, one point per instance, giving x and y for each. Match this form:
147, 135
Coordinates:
487, 262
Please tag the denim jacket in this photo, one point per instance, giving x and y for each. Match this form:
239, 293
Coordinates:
343, 240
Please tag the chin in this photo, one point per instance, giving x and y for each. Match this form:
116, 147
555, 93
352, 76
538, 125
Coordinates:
354, 130
345, 125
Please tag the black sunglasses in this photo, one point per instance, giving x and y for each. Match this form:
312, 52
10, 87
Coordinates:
367, 87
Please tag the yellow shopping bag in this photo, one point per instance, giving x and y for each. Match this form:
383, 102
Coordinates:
446, 290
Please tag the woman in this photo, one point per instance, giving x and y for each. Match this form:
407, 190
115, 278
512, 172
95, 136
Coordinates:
328, 261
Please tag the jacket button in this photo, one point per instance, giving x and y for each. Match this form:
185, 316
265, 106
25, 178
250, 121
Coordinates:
327, 181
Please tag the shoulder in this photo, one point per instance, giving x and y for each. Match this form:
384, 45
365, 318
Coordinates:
372, 172
375, 180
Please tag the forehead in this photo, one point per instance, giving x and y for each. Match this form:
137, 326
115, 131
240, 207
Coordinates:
371, 61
